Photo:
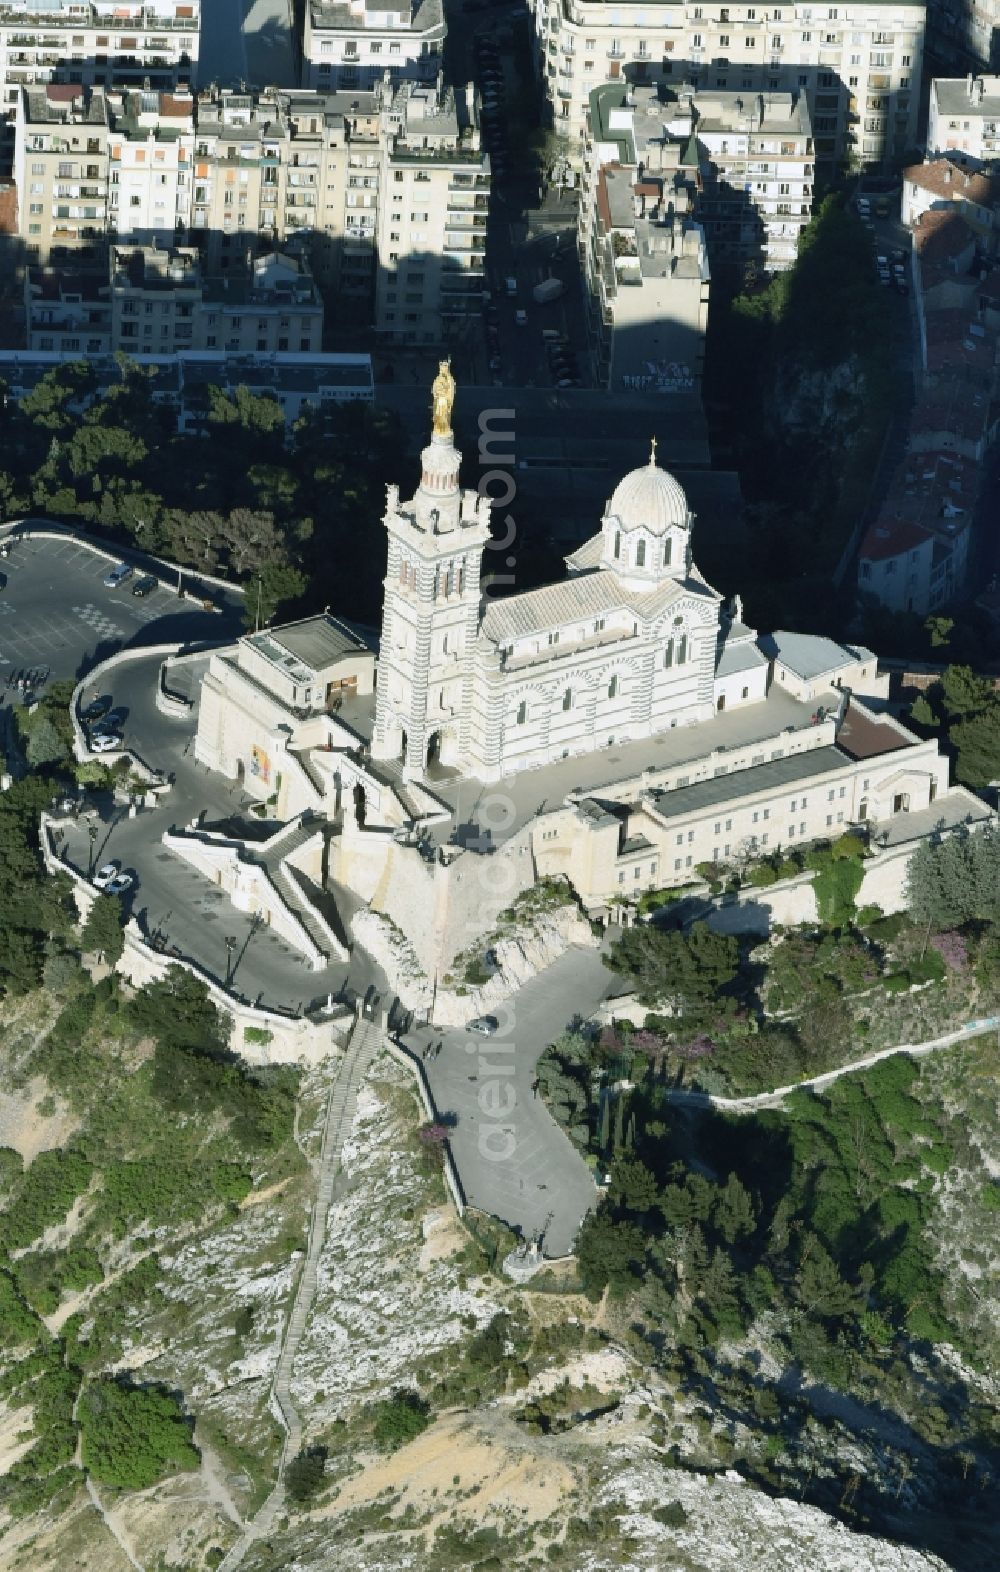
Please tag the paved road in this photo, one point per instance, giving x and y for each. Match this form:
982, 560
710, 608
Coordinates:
513, 1158
222, 52
171, 900
268, 43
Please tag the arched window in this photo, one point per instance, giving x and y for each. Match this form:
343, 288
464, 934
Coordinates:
618, 542
668, 551
668, 654
640, 554
461, 578
613, 688
682, 650
568, 699
522, 712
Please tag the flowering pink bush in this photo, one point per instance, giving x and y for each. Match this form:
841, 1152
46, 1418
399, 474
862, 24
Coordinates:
699, 1047
953, 949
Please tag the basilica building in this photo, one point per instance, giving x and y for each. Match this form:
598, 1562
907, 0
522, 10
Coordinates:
632, 643
639, 727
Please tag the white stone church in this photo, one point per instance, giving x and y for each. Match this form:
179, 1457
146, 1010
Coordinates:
633, 724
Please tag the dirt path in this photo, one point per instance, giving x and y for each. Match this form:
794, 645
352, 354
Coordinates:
213, 1477
990, 1023
114, 1528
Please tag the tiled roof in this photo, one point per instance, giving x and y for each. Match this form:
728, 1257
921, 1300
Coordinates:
944, 178
558, 605
883, 541
588, 556
809, 655
941, 235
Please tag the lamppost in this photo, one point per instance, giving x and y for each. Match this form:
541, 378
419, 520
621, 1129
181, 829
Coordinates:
230, 949
93, 832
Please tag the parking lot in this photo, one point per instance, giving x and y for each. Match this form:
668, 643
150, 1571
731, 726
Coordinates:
513, 1161
57, 616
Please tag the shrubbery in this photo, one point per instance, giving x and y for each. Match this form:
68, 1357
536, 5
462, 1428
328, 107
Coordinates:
401, 1418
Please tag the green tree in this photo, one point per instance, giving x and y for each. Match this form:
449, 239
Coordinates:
304, 1474
179, 1013
963, 694
401, 1418
633, 1185
44, 744
734, 1215
131, 1436
610, 1253
819, 1286
956, 879
102, 930
694, 967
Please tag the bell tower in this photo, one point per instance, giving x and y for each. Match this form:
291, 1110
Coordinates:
430, 613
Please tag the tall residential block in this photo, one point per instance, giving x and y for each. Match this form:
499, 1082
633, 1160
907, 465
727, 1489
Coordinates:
352, 43
434, 196
857, 65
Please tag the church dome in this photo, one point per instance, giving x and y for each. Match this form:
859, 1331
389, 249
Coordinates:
649, 498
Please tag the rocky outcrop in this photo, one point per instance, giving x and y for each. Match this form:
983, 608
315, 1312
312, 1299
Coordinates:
525, 950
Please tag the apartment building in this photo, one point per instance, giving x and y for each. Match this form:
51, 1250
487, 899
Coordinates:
161, 301
91, 162
61, 165
644, 260
354, 43
964, 35
158, 301
150, 164
347, 180
128, 43
964, 117
182, 380
433, 207
746, 162
858, 66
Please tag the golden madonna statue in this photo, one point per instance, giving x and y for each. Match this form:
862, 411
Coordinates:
443, 394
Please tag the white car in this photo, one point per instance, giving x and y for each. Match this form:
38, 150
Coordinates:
121, 883
103, 742
485, 1025
106, 875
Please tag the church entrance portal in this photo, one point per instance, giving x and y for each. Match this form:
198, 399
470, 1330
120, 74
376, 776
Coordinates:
433, 748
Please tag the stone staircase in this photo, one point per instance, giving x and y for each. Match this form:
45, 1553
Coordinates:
299, 903
364, 1044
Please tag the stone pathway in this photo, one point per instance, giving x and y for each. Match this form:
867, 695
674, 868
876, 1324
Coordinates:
365, 1041
990, 1023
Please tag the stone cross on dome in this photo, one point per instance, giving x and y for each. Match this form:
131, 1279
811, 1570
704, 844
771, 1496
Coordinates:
652, 452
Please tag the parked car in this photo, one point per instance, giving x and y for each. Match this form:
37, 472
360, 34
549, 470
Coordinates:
146, 585
485, 1025
521, 318
95, 709
121, 883
114, 720
104, 876
118, 575
103, 742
